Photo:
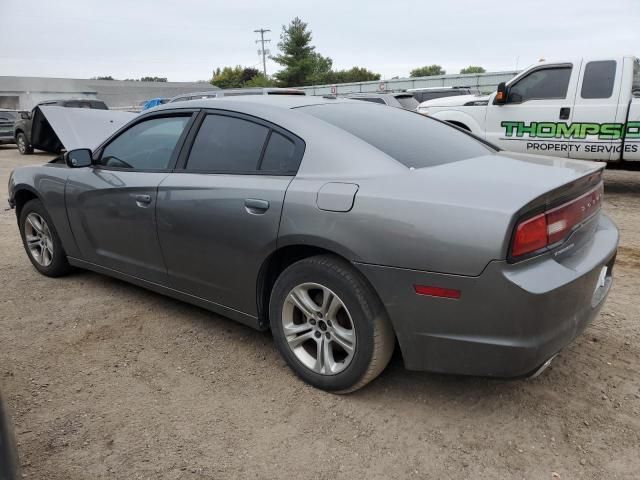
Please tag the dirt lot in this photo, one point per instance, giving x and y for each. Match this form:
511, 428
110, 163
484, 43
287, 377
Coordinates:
108, 380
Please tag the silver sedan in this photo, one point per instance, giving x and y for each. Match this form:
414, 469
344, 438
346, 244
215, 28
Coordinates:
343, 226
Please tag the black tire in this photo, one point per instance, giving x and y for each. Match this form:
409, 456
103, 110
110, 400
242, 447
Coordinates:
374, 337
23, 145
58, 265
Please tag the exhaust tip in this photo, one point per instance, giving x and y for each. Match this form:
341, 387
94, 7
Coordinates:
542, 368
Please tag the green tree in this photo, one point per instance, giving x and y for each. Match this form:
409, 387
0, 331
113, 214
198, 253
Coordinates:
473, 69
106, 77
228, 77
240, 77
354, 74
427, 71
153, 79
260, 80
302, 64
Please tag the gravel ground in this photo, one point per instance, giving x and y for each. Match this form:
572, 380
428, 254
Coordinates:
107, 380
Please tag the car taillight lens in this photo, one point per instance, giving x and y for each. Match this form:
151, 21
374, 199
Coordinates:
554, 225
531, 235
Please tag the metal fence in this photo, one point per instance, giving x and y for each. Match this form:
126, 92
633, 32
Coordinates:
485, 82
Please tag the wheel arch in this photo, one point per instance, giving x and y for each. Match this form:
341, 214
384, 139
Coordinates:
22, 194
286, 255
460, 119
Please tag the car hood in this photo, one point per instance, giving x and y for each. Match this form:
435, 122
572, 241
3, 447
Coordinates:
455, 101
75, 127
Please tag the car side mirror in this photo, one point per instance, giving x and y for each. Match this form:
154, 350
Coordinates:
25, 115
501, 94
80, 157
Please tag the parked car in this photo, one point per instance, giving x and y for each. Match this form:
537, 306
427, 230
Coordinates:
23, 128
429, 93
586, 108
7, 120
8, 455
340, 226
234, 92
392, 99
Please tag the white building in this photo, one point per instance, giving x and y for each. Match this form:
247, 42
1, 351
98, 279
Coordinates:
23, 93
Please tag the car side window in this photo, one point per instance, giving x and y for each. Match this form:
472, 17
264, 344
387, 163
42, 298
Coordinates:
148, 145
542, 84
280, 155
226, 144
598, 79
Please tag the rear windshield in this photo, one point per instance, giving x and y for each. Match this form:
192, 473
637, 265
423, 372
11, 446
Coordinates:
408, 102
412, 139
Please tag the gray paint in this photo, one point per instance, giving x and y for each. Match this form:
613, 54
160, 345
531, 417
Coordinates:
448, 226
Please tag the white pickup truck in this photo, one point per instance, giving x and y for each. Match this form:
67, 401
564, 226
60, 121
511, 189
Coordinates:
587, 108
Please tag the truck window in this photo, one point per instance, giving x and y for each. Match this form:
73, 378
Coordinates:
635, 88
541, 84
598, 79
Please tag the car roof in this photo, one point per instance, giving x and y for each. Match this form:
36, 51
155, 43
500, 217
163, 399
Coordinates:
278, 101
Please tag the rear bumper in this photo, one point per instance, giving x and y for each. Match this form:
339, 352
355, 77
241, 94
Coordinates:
509, 320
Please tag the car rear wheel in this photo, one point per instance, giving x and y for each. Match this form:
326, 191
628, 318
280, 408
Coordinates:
23, 145
41, 240
329, 324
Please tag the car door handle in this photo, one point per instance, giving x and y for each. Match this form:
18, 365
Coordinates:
565, 112
143, 200
255, 205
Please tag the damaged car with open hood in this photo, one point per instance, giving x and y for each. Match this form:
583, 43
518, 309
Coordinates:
346, 228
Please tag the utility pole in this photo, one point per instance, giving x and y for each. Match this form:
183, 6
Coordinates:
262, 51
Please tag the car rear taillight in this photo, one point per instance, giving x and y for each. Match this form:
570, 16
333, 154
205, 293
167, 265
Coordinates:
554, 225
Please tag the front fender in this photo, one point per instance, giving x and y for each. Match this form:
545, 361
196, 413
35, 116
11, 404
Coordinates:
456, 116
47, 182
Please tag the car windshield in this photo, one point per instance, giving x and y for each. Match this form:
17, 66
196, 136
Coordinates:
412, 139
4, 116
408, 102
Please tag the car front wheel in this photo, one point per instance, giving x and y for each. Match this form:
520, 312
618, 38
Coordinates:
329, 324
41, 240
23, 145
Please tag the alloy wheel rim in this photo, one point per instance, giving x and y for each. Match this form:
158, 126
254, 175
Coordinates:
318, 328
21, 143
38, 238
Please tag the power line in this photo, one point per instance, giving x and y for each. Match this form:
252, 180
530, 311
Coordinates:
262, 51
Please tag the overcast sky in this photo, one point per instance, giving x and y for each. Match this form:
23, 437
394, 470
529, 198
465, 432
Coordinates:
185, 40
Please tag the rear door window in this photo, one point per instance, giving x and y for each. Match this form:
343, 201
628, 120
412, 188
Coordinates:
280, 155
226, 144
598, 79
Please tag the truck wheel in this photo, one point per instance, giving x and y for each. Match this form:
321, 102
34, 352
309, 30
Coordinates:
329, 325
41, 241
23, 145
